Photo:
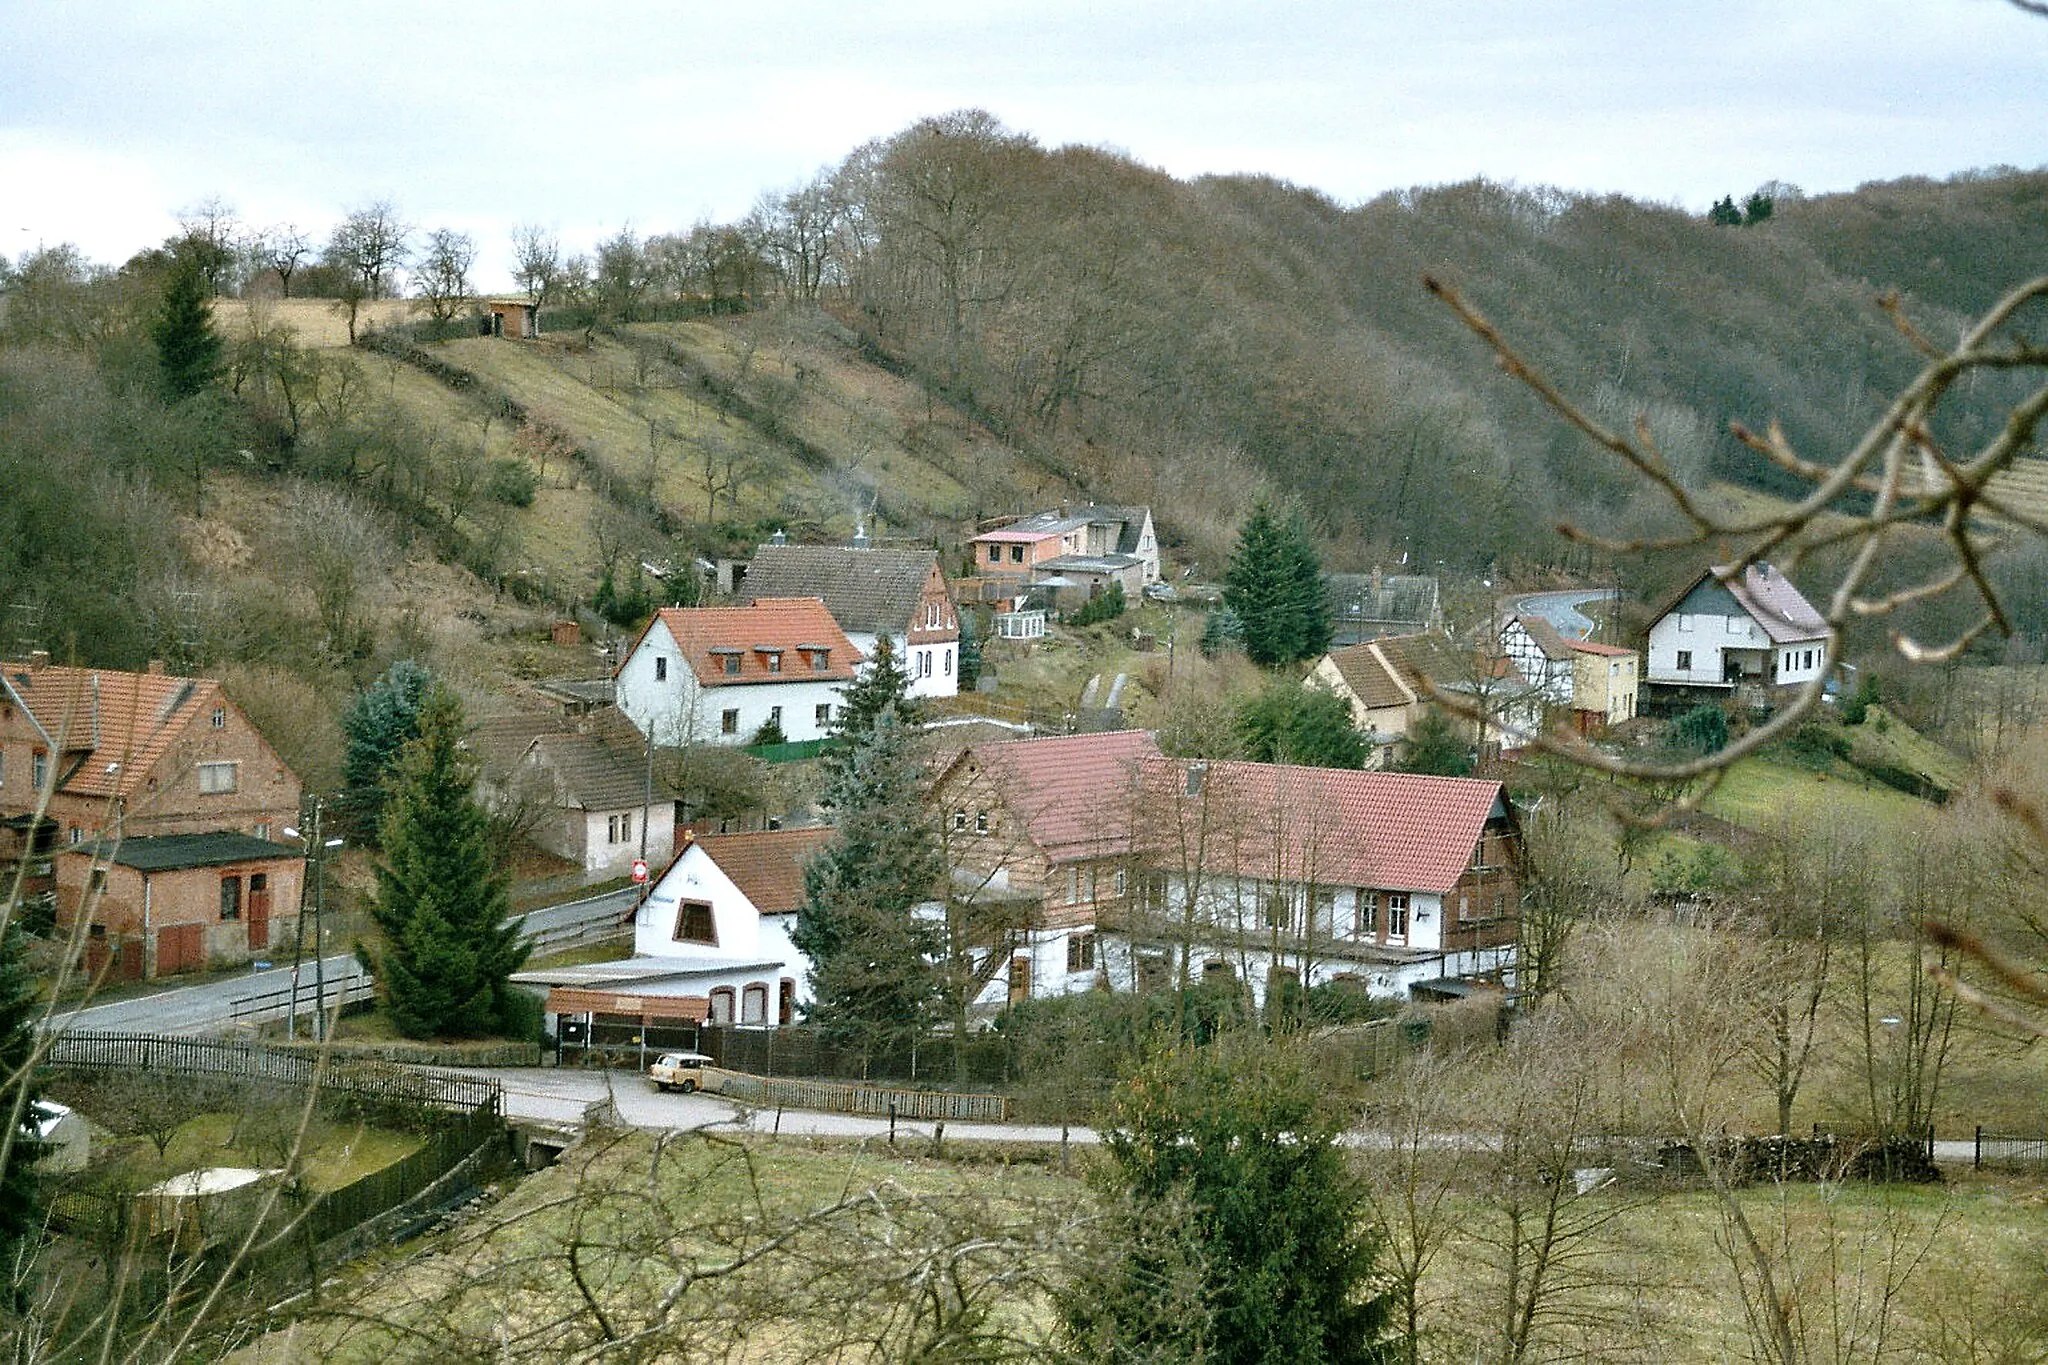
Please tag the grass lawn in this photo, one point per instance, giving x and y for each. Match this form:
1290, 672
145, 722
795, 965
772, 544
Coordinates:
1763, 793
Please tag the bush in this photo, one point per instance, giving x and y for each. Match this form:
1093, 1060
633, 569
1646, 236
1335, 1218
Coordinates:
1702, 730
1104, 606
769, 733
1858, 704
512, 482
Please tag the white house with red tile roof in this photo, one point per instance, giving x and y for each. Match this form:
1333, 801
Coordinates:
1322, 874
1124, 869
717, 675
711, 941
1727, 629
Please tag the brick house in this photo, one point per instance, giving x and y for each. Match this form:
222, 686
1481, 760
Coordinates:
135, 754
170, 903
1036, 834
870, 593
1105, 542
717, 675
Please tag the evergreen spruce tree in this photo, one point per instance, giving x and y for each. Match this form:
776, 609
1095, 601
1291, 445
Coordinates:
442, 893
1237, 1233
872, 971
882, 688
187, 348
375, 730
1306, 725
1275, 588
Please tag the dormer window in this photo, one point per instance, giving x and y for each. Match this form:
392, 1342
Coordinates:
729, 659
819, 655
771, 657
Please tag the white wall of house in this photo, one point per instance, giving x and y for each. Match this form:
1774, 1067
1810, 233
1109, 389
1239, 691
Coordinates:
1552, 677
1233, 912
1801, 662
940, 672
611, 838
658, 693
1690, 648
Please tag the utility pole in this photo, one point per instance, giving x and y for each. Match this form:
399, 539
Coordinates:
316, 853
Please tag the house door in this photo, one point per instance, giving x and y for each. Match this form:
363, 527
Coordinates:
179, 947
259, 912
785, 1013
1020, 977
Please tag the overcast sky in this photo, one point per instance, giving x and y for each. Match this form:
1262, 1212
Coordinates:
586, 115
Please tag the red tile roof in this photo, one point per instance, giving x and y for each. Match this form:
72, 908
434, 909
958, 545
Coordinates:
1073, 792
785, 624
1778, 607
1607, 651
120, 724
1395, 831
1374, 674
767, 866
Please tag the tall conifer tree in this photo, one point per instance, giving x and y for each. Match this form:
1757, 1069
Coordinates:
1275, 588
187, 347
442, 894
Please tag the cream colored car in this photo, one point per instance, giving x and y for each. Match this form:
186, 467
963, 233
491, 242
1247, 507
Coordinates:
682, 1071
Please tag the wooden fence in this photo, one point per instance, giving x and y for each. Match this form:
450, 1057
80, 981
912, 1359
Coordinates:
862, 1099
197, 1056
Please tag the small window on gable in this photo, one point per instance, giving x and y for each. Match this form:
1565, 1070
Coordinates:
220, 718
981, 822
694, 923
660, 669
216, 779
821, 660
960, 821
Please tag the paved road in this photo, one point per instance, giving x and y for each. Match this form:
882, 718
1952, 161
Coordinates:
1561, 609
211, 1007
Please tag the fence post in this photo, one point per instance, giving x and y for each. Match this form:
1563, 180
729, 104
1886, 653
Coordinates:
892, 1123
1977, 1152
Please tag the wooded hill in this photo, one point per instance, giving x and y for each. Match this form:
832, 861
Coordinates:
953, 323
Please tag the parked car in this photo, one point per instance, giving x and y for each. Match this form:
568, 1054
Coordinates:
1161, 592
682, 1071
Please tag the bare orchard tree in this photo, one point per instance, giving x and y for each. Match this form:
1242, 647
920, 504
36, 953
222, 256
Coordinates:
370, 244
282, 248
536, 262
1412, 1183
441, 276
209, 236
340, 552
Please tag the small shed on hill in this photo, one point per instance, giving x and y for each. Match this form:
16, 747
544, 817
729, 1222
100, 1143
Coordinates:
511, 317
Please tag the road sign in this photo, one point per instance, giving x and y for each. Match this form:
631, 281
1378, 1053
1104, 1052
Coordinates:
639, 870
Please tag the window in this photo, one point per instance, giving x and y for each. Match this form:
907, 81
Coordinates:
1809, 660
660, 669
823, 714
1081, 953
931, 615
3, 767
774, 659
995, 554
981, 822
775, 716
1367, 918
754, 1004
1736, 626
1397, 914
1278, 908
1326, 910
261, 832
1073, 886
729, 722
216, 779
77, 835
732, 665
230, 897
1464, 908
1121, 881
947, 655
619, 828
821, 659
1016, 554
721, 1005
39, 769
960, 820
693, 923
219, 720
1685, 661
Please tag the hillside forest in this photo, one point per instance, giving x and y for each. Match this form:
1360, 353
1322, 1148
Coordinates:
952, 323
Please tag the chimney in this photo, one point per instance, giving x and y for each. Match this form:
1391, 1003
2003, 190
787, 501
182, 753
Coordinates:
781, 537
1196, 771
156, 668
38, 660
860, 536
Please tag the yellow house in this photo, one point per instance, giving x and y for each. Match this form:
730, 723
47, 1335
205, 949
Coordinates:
1604, 684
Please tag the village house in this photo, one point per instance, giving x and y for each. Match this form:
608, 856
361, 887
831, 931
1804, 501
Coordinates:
1095, 862
1259, 871
584, 788
168, 903
871, 593
1092, 546
1381, 683
1726, 631
724, 675
1597, 683
133, 754
711, 942
1036, 835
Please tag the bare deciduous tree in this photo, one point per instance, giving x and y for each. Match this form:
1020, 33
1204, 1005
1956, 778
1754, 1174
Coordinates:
442, 274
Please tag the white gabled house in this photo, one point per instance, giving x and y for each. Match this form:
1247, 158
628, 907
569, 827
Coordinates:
718, 675
1727, 630
711, 942
871, 593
